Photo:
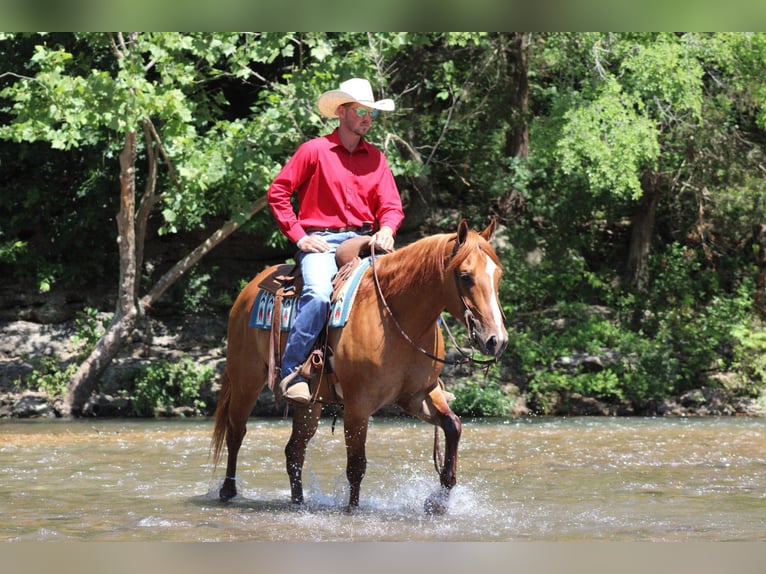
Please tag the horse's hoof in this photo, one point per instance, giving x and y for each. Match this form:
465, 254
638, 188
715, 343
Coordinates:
436, 504
226, 496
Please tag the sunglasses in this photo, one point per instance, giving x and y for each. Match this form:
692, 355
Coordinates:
362, 112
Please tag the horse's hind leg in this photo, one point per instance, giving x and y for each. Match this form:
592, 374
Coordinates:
235, 404
305, 422
236, 428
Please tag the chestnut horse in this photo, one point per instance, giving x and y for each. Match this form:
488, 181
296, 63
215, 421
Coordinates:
388, 352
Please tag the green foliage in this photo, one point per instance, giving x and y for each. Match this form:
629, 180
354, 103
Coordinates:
477, 399
741, 57
569, 330
665, 78
193, 291
609, 141
694, 318
51, 374
674, 338
164, 385
749, 358
89, 329
9, 252
603, 385
47, 275
623, 366
614, 118
48, 376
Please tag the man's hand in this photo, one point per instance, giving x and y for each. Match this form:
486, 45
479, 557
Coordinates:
384, 239
313, 244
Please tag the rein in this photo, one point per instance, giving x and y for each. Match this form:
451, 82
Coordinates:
466, 358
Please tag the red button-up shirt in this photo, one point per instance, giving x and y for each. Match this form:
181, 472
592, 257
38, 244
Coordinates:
335, 188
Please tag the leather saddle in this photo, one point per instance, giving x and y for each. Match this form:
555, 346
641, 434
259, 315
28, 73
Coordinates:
285, 281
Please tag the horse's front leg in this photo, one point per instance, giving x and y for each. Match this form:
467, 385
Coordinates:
355, 432
436, 411
450, 423
305, 423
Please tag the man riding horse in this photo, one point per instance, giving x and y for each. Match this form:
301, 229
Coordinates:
345, 188
389, 347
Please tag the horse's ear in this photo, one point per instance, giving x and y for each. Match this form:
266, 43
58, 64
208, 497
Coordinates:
490, 230
462, 231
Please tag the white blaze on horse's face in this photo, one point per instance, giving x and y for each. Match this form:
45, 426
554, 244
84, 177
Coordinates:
483, 316
494, 337
497, 314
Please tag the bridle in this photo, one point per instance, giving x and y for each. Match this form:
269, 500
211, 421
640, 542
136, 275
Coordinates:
468, 316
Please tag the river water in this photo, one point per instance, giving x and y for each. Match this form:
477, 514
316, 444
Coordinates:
547, 479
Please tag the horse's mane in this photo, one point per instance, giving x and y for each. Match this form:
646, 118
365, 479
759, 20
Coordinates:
413, 266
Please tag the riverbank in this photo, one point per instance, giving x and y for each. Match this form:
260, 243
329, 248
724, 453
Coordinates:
202, 339
25, 345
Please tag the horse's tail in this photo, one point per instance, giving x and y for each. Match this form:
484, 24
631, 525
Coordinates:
221, 419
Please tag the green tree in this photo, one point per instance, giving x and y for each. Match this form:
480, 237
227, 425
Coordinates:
152, 100
646, 186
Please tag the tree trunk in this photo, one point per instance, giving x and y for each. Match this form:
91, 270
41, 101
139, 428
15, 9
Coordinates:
517, 70
515, 48
85, 378
83, 382
642, 229
148, 200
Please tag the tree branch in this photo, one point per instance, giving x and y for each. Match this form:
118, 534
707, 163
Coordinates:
191, 259
163, 152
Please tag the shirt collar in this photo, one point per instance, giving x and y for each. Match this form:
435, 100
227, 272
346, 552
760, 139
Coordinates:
334, 137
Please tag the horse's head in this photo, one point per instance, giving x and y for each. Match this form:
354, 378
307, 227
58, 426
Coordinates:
477, 272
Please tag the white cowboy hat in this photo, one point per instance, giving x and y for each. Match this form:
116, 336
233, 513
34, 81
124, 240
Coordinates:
354, 90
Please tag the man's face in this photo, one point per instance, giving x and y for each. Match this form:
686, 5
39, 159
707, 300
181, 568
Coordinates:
356, 118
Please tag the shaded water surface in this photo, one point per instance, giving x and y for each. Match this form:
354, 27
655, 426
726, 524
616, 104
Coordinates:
535, 479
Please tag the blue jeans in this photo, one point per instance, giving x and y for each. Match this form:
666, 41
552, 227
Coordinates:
313, 306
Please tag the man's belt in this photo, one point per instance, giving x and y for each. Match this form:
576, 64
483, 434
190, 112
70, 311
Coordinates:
364, 229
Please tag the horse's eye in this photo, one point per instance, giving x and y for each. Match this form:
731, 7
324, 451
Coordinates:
467, 279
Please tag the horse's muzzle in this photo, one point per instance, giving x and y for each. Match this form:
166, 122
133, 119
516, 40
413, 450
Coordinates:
494, 346
491, 342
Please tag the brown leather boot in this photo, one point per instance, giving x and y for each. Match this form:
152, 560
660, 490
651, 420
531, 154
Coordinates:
295, 388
